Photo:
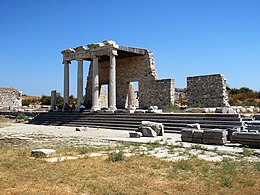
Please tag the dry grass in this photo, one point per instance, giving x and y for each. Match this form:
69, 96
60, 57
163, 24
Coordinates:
5, 121
20, 174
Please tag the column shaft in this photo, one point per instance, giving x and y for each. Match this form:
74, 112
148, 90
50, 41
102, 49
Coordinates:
95, 85
80, 84
66, 82
112, 84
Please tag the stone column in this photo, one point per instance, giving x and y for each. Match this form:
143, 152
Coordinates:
80, 83
131, 96
95, 85
53, 99
112, 82
66, 82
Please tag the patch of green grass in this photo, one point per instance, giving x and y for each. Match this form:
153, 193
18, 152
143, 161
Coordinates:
172, 148
198, 147
248, 182
153, 145
22, 116
228, 166
257, 166
115, 156
226, 181
247, 152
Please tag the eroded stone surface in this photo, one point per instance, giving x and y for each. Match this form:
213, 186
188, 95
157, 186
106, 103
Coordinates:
207, 91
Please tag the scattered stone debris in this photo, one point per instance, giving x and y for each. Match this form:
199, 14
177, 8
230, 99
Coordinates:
194, 134
251, 139
135, 134
42, 152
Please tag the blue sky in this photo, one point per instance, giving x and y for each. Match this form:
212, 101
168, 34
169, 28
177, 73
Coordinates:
187, 37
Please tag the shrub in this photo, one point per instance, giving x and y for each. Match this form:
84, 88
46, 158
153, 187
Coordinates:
226, 181
116, 156
22, 116
170, 107
247, 152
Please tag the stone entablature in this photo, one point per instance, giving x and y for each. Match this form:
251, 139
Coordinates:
207, 91
10, 99
117, 66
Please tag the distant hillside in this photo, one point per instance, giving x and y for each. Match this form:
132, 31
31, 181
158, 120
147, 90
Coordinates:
244, 97
26, 100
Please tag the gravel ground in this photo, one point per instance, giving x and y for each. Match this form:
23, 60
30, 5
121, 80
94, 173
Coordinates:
171, 147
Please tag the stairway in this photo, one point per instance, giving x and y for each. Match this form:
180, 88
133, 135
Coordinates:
173, 122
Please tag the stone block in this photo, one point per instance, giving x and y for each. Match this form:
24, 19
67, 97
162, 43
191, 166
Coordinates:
197, 136
159, 111
157, 127
42, 152
215, 141
129, 111
246, 138
186, 134
147, 131
135, 134
140, 111
153, 108
194, 126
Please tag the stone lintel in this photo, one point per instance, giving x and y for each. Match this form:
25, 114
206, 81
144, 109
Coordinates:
80, 49
101, 49
133, 50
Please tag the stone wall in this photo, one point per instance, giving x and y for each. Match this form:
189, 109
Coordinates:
156, 93
180, 93
141, 69
207, 91
10, 99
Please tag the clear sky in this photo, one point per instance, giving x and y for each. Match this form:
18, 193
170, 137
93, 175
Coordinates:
187, 37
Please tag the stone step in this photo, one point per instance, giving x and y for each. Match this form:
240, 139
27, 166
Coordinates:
173, 122
129, 120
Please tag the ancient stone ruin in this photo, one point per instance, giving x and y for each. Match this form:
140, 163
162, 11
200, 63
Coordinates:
207, 91
10, 99
117, 66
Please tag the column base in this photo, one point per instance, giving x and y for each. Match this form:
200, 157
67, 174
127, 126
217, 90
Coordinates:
112, 108
95, 108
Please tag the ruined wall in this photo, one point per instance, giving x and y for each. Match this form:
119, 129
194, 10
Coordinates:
10, 99
156, 93
139, 68
207, 91
180, 93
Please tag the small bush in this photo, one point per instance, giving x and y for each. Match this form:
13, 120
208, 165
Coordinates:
226, 181
257, 166
247, 152
183, 165
22, 116
171, 107
116, 156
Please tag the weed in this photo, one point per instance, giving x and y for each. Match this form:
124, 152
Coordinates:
228, 166
153, 145
247, 152
83, 150
115, 156
183, 165
21, 116
248, 182
257, 166
171, 107
197, 147
226, 181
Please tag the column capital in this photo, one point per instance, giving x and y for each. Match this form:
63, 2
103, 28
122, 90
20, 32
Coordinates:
79, 59
66, 62
112, 52
95, 57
